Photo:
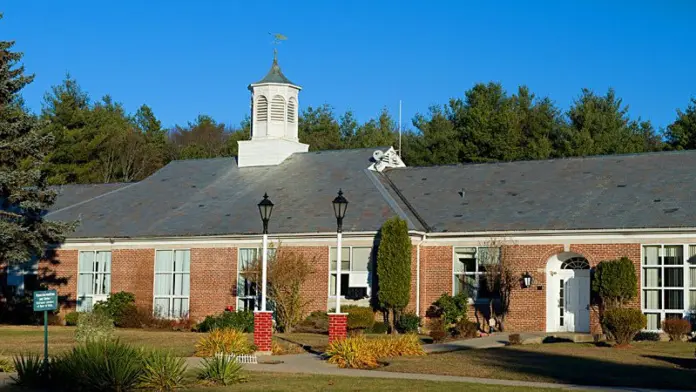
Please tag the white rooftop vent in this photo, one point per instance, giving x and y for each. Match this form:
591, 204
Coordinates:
386, 159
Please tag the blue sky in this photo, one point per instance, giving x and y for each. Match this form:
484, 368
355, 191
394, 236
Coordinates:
185, 58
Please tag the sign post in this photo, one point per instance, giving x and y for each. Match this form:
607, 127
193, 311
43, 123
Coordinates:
43, 302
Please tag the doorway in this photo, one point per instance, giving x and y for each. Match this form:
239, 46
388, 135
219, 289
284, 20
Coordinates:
568, 294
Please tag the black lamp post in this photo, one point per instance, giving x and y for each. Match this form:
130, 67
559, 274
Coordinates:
265, 208
340, 204
526, 280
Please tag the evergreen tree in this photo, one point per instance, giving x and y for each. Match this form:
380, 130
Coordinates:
24, 193
394, 269
681, 134
319, 128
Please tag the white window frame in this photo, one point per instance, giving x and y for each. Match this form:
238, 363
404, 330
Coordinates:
370, 270
686, 288
103, 276
240, 299
171, 297
476, 272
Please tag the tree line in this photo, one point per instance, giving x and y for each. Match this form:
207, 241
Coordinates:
98, 142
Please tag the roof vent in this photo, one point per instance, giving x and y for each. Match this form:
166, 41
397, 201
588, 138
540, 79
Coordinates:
386, 159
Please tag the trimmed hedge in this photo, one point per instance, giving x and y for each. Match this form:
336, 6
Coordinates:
624, 324
408, 322
359, 317
242, 321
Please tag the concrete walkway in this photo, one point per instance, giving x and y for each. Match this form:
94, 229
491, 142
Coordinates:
314, 364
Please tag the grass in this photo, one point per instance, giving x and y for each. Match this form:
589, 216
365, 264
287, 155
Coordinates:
29, 339
667, 365
267, 382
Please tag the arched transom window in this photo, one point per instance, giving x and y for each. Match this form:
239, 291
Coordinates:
277, 108
577, 262
262, 109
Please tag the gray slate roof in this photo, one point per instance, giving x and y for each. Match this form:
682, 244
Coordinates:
215, 197
275, 75
654, 190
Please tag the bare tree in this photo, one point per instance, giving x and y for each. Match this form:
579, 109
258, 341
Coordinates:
499, 276
288, 272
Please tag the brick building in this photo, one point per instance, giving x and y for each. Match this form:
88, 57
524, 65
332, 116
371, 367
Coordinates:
181, 238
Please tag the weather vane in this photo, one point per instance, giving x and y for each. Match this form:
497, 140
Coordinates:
277, 39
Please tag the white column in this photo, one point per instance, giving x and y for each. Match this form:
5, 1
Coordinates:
264, 266
339, 259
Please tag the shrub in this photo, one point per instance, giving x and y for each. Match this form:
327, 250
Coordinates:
6, 365
99, 365
30, 371
316, 322
221, 370
515, 339
408, 322
241, 321
71, 318
438, 330
225, 341
134, 317
647, 337
351, 353
394, 269
676, 329
379, 327
95, 325
162, 372
624, 324
361, 353
359, 317
452, 308
117, 305
466, 329
615, 282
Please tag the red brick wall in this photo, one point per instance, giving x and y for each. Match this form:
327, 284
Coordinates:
213, 281
60, 273
133, 271
436, 274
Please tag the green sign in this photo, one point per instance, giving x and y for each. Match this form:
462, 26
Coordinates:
45, 300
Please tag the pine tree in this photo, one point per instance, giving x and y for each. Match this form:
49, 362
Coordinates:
394, 269
24, 193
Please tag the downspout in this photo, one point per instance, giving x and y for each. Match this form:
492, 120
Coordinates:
418, 286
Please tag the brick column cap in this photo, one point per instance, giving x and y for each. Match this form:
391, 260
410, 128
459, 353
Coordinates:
338, 314
263, 311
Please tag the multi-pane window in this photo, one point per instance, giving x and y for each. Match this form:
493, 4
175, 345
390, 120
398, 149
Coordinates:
470, 266
668, 282
356, 272
172, 283
248, 294
93, 278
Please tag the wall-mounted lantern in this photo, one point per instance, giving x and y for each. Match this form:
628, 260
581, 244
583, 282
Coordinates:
526, 280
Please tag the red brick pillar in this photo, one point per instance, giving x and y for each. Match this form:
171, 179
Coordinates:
338, 326
263, 331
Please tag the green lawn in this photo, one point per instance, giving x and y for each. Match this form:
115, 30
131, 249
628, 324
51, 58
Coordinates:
268, 382
666, 365
29, 339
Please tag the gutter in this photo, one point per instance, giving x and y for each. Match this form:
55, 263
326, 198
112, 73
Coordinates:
559, 232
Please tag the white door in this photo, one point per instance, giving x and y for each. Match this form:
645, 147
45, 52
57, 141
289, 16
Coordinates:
574, 301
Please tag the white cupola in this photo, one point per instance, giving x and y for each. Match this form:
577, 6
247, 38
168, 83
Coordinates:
274, 107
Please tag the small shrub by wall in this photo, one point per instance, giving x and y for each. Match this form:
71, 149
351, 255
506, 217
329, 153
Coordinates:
359, 317
624, 324
408, 323
316, 322
676, 329
96, 325
241, 321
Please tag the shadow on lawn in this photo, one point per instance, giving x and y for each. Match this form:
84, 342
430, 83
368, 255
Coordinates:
567, 369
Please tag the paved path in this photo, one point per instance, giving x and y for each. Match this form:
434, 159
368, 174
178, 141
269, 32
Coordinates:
313, 364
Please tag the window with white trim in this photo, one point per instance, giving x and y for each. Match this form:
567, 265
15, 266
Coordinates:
356, 272
93, 278
668, 283
248, 295
172, 283
469, 272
